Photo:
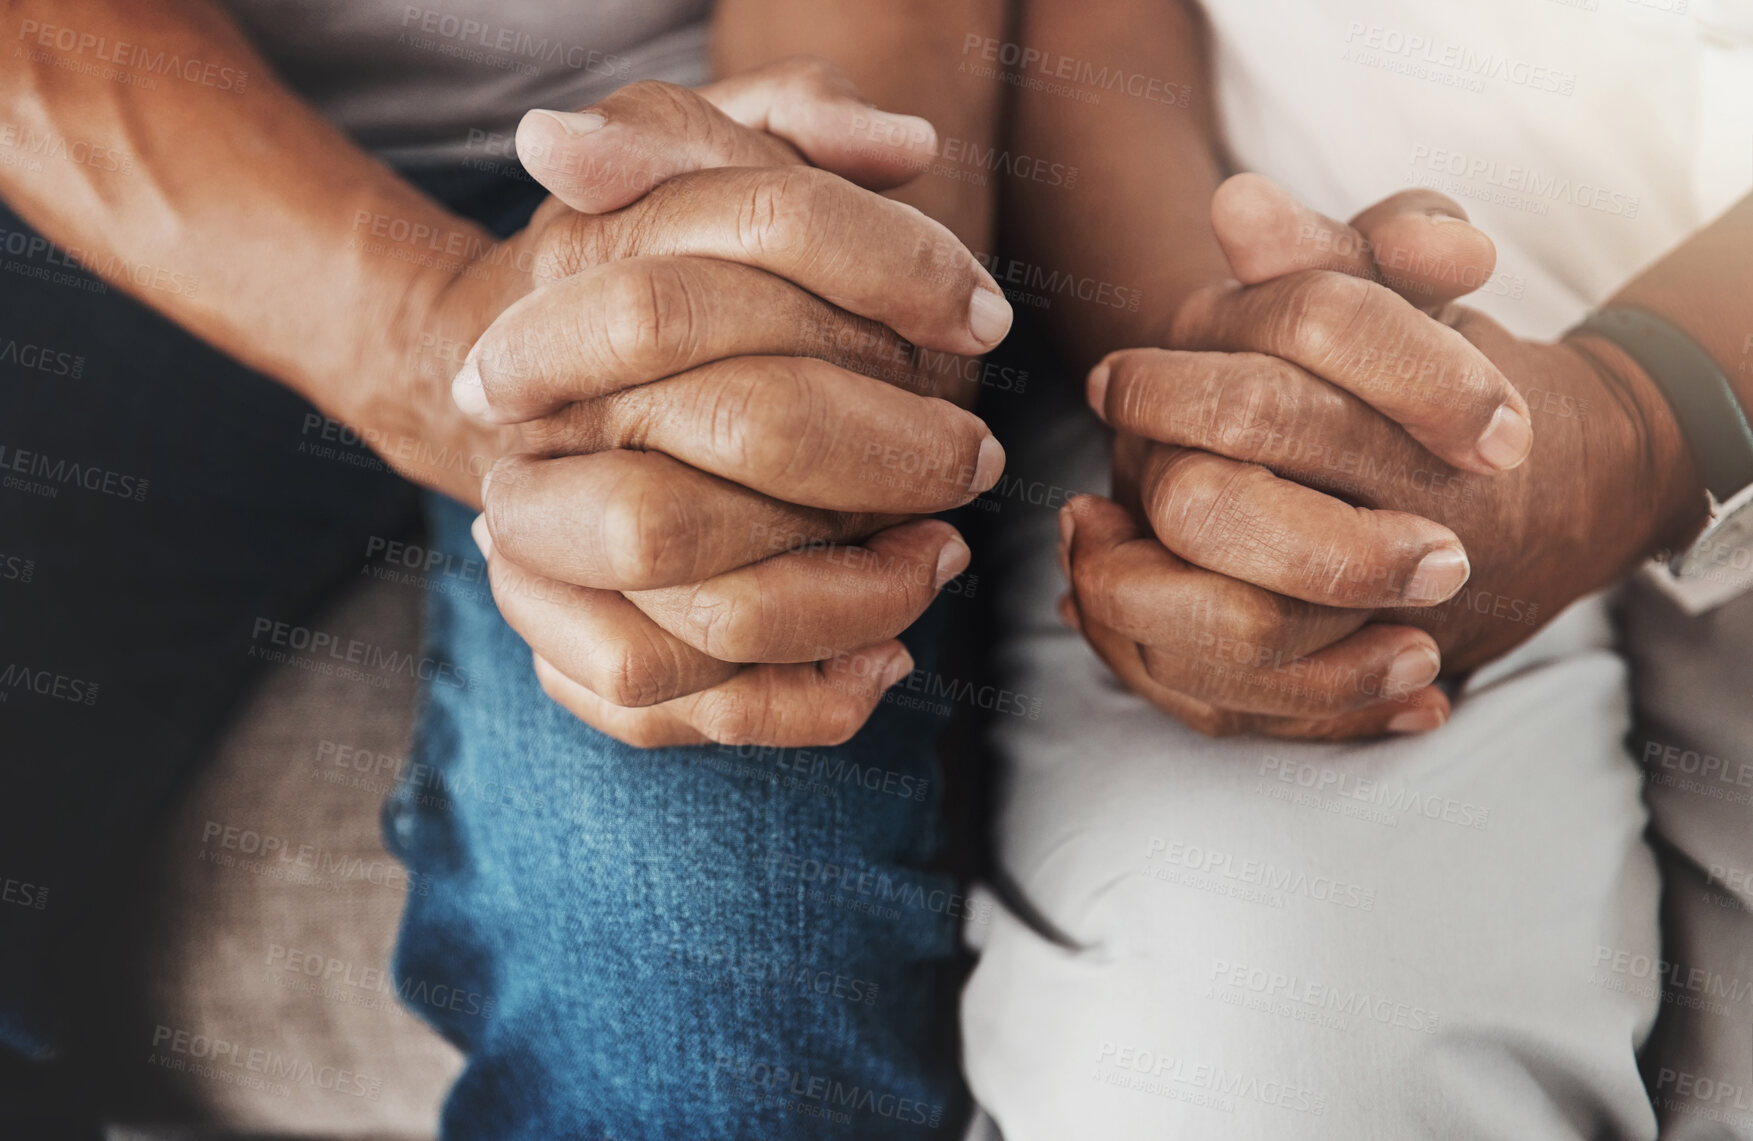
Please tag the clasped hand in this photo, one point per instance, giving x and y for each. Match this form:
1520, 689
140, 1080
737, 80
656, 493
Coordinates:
726, 385
1334, 485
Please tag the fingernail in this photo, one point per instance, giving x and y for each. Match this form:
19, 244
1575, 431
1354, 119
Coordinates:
1438, 576
1507, 439
486, 478
899, 665
1067, 525
468, 392
989, 317
1414, 668
483, 537
907, 130
1097, 390
951, 561
574, 122
1417, 720
989, 465
1444, 219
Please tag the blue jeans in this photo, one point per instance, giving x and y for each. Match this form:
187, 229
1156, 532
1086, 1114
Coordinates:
687, 943
691, 943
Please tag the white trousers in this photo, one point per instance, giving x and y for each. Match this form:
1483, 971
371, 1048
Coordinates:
1450, 936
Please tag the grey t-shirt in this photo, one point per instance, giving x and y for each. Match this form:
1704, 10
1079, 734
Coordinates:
441, 81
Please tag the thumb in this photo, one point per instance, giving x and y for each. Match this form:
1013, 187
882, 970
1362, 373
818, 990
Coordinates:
611, 154
1266, 233
1418, 243
1424, 247
811, 104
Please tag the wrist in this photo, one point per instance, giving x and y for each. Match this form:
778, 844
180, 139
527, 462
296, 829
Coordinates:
427, 312
1666, 488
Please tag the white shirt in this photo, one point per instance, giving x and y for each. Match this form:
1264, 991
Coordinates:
1586, 137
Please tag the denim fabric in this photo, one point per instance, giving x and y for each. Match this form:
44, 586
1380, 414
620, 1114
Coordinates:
680, 943
665, 953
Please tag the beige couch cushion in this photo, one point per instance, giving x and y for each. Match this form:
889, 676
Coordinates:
268, 913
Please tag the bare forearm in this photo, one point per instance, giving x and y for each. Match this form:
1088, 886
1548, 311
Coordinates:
1706, 288
223, 202
1138, 220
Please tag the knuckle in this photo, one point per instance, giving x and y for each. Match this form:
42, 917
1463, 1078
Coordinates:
1320, 309
1189, 501
1260, 627
646, 323
644, 532
1167, 672
1091, 584
770, 419
1244, 412
627, 674
1133, 389
721, 628
728, 716
573, 430
1197, 315
550, 681
813, 73
508, 512
574, 243
557, 686
654, 94
840, 721
784, 214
